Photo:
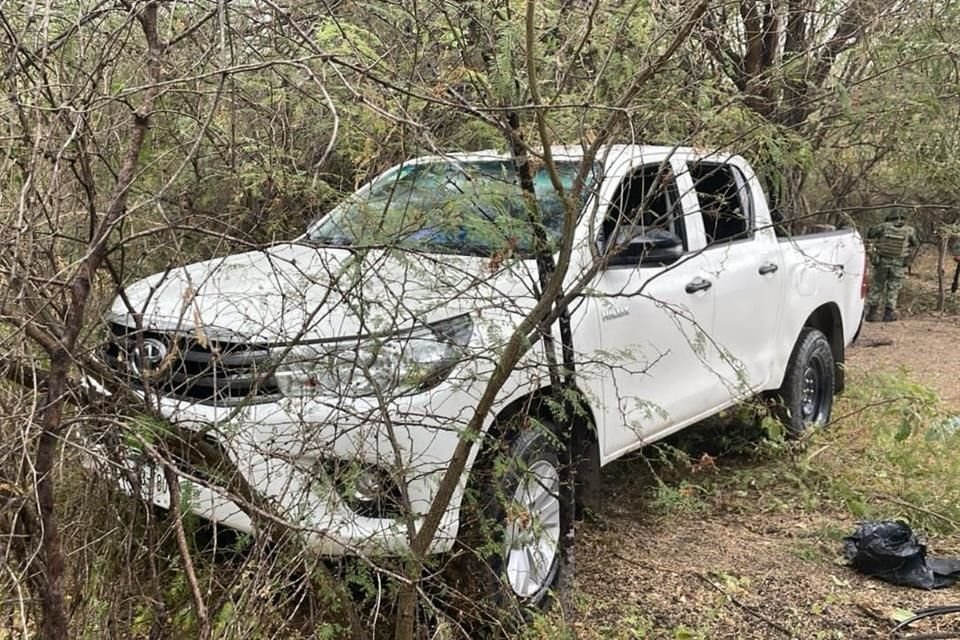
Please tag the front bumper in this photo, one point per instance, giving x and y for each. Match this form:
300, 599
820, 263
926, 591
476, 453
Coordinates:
280, 448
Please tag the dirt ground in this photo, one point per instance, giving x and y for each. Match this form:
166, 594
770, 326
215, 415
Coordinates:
926, 344
730, 576
926, 347
750, 565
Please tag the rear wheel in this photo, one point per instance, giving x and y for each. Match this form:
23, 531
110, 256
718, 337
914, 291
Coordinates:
806, 396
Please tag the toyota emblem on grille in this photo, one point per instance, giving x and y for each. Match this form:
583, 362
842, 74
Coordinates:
146, 357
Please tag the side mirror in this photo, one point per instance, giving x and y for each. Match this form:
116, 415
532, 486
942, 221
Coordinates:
649, 247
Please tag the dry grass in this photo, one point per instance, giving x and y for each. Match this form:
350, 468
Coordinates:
780, 567
751, 548
926, 348
765, 530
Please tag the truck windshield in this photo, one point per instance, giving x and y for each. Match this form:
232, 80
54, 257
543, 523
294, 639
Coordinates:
473, 208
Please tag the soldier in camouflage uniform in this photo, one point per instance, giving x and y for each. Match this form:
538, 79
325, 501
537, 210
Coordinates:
890, 243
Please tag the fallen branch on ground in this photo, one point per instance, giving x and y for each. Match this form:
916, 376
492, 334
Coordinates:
752, 611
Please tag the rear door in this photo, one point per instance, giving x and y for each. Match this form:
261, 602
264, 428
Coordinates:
744, 263
650, 373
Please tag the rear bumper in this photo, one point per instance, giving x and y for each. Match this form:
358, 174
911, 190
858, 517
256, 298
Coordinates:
856, 335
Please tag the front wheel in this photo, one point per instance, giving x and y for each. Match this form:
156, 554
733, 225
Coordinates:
806, 396
512, 532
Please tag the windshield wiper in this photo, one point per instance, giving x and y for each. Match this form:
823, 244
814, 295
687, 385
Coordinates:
339, 241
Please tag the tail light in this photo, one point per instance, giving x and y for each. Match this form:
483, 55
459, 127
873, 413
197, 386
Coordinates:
864, 283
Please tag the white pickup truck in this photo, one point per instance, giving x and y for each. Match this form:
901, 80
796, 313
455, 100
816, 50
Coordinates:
360, 349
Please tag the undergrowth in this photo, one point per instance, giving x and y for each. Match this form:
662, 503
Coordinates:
890, 453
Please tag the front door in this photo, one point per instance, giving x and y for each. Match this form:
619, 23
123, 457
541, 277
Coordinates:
650, 374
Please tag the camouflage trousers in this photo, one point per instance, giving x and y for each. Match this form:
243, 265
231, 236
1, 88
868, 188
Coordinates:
887, 280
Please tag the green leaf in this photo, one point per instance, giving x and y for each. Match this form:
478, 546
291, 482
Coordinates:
906, 428
900, 615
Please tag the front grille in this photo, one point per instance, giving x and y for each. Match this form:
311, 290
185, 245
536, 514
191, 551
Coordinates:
177, 364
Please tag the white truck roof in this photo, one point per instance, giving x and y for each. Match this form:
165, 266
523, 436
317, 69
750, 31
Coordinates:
608, 154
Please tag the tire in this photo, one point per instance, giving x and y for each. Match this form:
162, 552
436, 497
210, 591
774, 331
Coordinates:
511, 532
806, 396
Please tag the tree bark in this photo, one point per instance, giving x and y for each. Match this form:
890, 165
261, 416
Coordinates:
55, 623
941, 273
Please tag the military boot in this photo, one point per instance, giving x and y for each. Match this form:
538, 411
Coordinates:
890, 315
872, 314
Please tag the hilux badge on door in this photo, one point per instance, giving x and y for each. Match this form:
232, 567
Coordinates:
615, 311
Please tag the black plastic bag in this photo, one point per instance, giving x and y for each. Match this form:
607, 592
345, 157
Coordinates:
888, 550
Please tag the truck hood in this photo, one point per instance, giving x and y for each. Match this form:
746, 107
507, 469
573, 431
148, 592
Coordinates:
296, 292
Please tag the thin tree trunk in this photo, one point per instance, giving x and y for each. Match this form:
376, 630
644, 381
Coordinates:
941, 272
55, 625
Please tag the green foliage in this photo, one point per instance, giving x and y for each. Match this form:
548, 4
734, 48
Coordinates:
686, 497
773, 428
683, 632
238, 147
905, 463
143, 428
346, 39
547, 627
633, 625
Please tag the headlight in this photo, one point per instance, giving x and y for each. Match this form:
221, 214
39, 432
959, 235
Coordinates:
390, 365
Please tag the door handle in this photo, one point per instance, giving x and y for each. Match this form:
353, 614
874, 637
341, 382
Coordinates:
698, 284
767, 269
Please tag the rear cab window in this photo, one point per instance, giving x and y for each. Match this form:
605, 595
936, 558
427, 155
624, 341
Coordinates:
726, 207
